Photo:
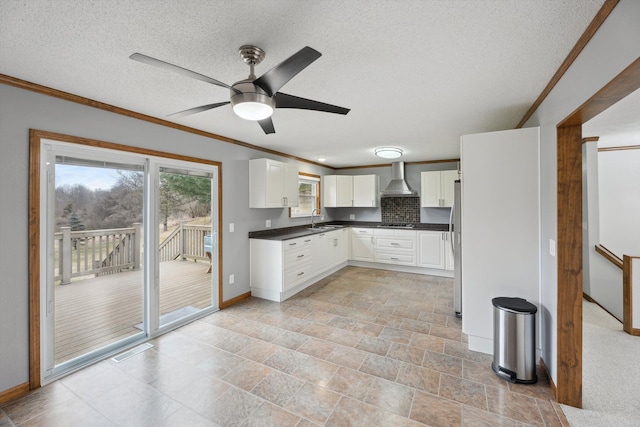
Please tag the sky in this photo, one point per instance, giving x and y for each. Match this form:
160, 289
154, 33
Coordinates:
91, 177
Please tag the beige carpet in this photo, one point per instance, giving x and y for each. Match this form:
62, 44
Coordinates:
611, 373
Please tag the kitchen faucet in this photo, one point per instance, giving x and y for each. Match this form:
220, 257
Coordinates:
313, 211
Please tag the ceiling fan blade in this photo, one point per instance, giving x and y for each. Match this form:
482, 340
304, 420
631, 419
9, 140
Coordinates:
199, 109
267, 125
289, 101
176, 69
278, 76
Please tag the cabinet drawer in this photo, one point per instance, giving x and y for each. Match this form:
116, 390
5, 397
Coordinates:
293, 258
362, 231
294, 244
391, 258
293, 276
395, 243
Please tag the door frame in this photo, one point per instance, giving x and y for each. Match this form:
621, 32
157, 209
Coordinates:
569, 232
35, 137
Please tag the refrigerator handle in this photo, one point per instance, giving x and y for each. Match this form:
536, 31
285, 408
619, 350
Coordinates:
453, 206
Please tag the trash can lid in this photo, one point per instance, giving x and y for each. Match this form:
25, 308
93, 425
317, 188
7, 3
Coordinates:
519, 305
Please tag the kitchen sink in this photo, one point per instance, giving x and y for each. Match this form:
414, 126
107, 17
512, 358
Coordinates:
325, 227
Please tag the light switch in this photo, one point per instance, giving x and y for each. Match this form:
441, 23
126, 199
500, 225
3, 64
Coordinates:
352, 216
232, 279
231, 227
552, 247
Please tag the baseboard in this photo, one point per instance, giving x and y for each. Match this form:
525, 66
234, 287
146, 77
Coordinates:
14, 392
234, 300
552, 385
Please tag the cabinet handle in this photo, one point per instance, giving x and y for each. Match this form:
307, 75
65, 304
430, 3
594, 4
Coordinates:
395, 259
394, 244
292, 244
300, 256
361, 231
308, 240
301, 273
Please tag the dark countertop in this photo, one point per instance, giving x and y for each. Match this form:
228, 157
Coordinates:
286, 233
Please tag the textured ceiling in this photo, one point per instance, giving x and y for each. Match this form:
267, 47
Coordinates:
416, 74
618, 125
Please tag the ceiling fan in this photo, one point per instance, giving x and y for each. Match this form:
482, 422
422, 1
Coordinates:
255, 98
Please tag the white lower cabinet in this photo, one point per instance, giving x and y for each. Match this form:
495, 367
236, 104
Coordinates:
434, 250
394, 246
279, 266
321, 251
362, 244
338, 247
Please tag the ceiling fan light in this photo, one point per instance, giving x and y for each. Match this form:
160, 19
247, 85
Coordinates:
253, 110
388, 152
251, 105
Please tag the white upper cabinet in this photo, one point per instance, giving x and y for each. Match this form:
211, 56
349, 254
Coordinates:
437, 188
366, 191
337, 191
340, 191
272, 184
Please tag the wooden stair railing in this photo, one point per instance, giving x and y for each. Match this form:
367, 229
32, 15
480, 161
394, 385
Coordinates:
630, 280
610, 256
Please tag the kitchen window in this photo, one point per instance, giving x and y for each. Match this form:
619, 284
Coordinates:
308, 195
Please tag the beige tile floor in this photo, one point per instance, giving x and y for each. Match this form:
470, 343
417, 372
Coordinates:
362, 347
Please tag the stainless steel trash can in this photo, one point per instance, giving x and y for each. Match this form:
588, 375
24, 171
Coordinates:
514, 335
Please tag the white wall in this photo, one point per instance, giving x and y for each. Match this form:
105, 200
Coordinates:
619, 192
613, 48
21, 110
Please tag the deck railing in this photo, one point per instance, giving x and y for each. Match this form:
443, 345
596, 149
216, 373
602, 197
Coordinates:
186, 242
110, 251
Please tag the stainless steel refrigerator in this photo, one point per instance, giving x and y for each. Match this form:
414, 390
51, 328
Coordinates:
455, 229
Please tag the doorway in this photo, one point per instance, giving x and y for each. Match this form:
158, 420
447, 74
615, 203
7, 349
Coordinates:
96, 287
569, 234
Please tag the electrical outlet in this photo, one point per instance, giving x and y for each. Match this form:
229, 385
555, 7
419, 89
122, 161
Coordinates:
232, 227
552, 247
232, 279
267, 223
352, 216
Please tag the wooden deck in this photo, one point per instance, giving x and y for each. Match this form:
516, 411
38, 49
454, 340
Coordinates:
95, 312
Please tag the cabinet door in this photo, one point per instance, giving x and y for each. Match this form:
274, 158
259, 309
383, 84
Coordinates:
329, 191
274, 184
447, 185
320, 254
342, 251
344, 191
431, 249
365, 191
430, 189
291, 184
362, 248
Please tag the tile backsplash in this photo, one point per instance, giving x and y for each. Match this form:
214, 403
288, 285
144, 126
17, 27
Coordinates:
400, 209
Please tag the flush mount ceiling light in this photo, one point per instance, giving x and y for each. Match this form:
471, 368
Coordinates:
388, 152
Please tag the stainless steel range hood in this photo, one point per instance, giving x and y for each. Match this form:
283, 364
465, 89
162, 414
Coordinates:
398, 187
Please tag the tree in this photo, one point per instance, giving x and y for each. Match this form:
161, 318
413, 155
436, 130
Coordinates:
170, 201
74, 222
195, 190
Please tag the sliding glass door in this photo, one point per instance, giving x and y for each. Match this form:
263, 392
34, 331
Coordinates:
101, 289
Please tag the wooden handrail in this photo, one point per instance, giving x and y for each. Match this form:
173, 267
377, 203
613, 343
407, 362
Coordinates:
613, 258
